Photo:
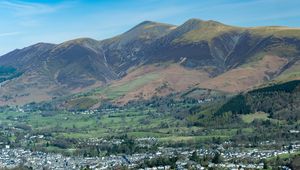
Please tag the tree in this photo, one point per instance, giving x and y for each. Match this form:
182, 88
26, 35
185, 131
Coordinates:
265, 164
217, 158
195, 157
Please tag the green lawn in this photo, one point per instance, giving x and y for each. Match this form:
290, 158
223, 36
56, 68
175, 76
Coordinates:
286, 155
191, 138
146, 134
248, 118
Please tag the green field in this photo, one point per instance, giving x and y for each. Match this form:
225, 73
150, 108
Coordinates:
133, 122
248, 118
171, 121
87, 100
113, 92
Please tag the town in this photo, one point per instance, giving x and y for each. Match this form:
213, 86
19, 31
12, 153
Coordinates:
15, 157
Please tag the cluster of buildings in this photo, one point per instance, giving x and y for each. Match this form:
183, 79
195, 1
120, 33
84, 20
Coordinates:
13, 157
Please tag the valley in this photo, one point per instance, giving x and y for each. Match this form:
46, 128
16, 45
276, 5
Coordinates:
192, 130
200, 95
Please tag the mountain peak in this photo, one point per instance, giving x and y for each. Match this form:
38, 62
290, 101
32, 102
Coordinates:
194, 30
79, 41
84, 42
145, 25
198, 23
42, 44
194, 20
144, 32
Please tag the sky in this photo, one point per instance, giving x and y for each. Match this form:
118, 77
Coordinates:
23, 23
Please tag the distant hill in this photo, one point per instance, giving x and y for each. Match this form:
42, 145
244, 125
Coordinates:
154, 59
281, 101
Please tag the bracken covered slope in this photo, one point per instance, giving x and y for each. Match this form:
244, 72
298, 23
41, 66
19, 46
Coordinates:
154, 59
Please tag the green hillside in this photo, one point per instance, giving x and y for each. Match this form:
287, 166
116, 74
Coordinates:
281, 101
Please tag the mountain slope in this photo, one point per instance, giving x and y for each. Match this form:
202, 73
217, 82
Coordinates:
54, 71
205, 54
26, 58
78, 63
126, 50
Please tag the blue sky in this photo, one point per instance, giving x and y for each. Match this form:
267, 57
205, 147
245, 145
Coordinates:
23, 23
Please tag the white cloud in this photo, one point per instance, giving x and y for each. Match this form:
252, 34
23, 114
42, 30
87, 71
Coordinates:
27, 13
9, 34
21, 8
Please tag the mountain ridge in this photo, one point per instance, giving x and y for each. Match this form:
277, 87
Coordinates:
195, 48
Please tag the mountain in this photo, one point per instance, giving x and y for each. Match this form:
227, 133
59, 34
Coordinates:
154, 59
26, 58
212, 55
126, 50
